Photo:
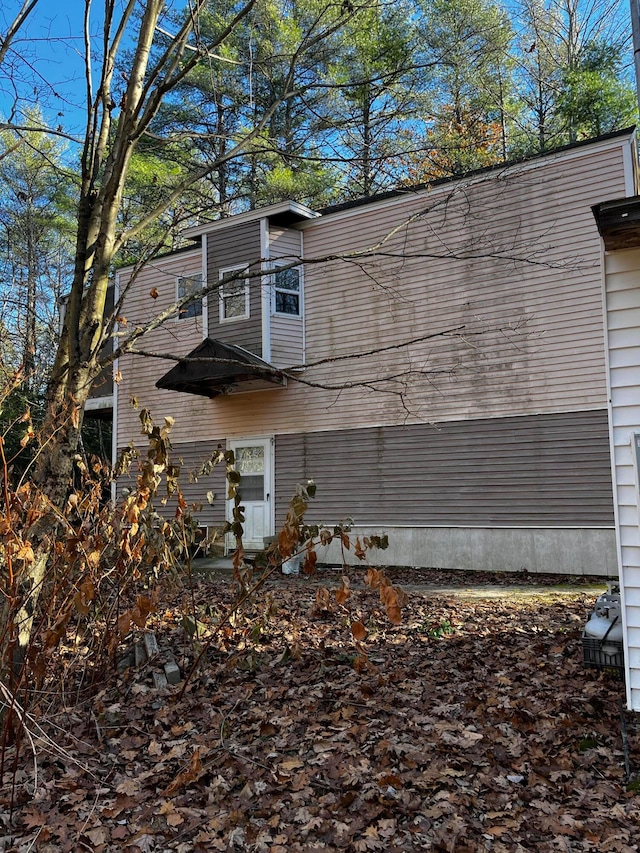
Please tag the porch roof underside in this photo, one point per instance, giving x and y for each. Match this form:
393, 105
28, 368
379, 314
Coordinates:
214, 368
618, 222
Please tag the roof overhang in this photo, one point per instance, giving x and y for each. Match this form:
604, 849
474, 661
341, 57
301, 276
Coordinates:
619, 223
284, 213
215, 368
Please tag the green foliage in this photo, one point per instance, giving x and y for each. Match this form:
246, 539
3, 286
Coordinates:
595, 98
435, 630
407, 93
373, 97
570, 83
37, 200
151, 175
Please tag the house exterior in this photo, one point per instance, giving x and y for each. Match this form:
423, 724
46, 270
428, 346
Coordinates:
433, 358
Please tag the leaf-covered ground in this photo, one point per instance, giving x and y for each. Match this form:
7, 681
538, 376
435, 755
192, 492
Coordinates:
474, 727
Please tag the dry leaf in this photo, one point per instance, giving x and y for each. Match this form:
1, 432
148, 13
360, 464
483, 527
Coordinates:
359, 631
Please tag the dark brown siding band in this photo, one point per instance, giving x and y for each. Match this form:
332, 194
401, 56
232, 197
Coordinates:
194, 486
536, 471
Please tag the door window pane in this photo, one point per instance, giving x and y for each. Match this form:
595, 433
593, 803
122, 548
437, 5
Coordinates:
250, 466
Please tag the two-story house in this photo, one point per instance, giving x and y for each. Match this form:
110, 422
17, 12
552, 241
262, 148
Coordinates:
432, 357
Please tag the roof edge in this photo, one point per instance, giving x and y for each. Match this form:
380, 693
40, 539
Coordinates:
398, 192
293, 210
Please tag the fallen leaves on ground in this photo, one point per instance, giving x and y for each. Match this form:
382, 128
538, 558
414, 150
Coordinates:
471, 726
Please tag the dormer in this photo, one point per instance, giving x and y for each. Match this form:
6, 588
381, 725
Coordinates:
255, 257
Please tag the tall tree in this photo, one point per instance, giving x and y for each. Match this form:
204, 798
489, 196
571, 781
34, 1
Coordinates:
122, 103
468, 42
120, 112
370, 116
277, 47
37, 197
566, 47
595, 98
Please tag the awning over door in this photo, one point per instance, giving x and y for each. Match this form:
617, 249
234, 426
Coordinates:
214, 368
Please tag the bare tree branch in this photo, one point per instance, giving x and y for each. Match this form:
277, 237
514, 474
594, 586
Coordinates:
5, 42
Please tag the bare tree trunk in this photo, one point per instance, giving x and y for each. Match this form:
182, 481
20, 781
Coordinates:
29, 349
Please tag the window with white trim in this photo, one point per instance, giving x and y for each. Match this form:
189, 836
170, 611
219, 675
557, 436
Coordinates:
233, 294
188, 285
286, 292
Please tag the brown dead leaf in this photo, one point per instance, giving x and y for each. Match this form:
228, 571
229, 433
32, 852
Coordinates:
25, 552
33, 818
359, 631
124, 623
186, 776
343, 592
98, 835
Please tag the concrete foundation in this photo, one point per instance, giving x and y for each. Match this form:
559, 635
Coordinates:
567, 551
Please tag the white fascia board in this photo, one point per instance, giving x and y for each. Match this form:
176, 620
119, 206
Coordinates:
96, 404
630, 159
266, 212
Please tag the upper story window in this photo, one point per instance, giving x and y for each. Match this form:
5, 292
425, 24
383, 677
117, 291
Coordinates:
286, 286
185, 286
234, 294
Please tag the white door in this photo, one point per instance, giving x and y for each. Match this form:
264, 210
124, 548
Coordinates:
254, 463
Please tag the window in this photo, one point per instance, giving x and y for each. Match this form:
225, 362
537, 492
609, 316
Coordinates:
185, 286
234, 295
250, 466
287, 291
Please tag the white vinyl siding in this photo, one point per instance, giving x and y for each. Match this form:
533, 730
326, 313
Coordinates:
622, 285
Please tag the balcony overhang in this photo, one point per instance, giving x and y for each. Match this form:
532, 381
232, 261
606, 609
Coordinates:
215, 368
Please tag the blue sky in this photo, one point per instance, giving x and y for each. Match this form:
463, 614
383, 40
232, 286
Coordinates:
48, 56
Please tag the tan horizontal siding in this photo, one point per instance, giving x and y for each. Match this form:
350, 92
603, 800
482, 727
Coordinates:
153, 291
285, 244
287, 333
545, 470
532, 338
286, 341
